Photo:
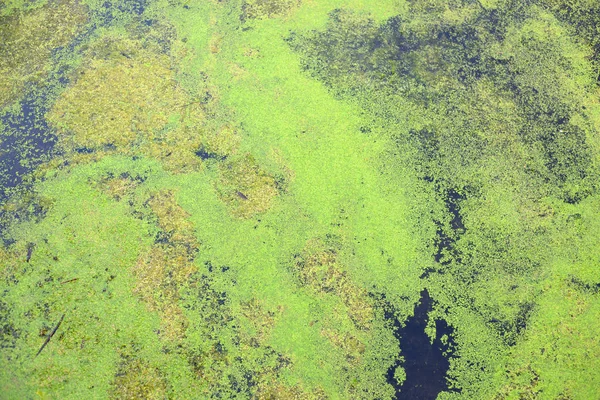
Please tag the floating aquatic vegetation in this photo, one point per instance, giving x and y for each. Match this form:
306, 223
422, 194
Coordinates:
318, 268
234, 357
262, 320
126, 100
161, 272
168, 167
28, 40
268, 8
245, 187
274, 390
120, 186
351, 346
137, 379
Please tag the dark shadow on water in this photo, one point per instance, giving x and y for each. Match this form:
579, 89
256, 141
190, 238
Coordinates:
425, 363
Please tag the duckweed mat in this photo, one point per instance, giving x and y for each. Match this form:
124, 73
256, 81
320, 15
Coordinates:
299, 199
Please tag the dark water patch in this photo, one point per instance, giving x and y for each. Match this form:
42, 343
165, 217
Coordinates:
136, 6
206, 154
27, 141
425, 363
84, 150
114, 12
452, 201
30, 248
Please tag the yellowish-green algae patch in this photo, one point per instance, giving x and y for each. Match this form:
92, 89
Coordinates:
28, 39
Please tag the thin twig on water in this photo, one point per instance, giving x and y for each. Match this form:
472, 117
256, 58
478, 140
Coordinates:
50, 335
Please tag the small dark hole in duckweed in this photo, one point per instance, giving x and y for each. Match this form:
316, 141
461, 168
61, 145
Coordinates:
84, 150
205, 154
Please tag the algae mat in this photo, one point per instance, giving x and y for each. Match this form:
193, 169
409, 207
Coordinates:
299, 199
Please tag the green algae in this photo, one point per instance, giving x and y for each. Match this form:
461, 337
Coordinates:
241, 187
268, 8
28, 39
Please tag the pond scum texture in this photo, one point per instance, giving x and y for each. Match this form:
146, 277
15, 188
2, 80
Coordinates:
300, 199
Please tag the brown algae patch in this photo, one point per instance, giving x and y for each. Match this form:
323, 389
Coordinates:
120, 186
261, 320
258, 9
221, 142
276, 390
352, 347
168, 265
28, 39
126, 99
318, 268
137, 379
245, 187
234, 357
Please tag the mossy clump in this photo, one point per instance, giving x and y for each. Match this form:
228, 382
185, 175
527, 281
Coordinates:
125, 99
261, 320
233, 359
318, 268
174, 221
352, 347
220, 143
524, 383
28, 39
269, 390
138, 379
245, 187
119, 187
23, 204
169, 263
268, 8
9, 262
8, 331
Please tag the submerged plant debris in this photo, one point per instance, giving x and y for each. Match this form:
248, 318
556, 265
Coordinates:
299, 199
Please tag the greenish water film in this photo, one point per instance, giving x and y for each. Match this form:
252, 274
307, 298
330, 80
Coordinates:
299, 199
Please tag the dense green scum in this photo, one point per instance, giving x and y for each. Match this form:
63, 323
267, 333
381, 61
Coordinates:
276, 199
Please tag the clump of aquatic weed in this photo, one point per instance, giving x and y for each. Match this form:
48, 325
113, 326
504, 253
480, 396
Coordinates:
318, 268
233, 359
160, 272
28, 39
261, 320
125, 99
245, 187
138, 379
119, 187
352, 347
268, 8
275, 390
